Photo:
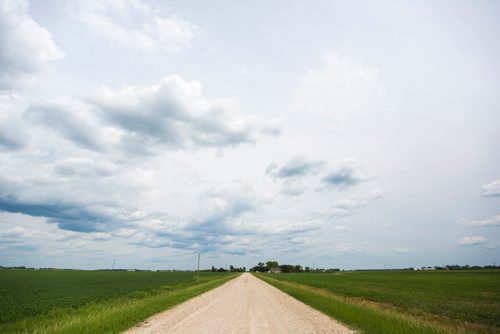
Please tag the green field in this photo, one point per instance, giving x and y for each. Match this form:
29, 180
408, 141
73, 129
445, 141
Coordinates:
402, 301
53, 301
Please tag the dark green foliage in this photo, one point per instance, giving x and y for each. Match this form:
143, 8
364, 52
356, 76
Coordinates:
261, 267
272, 264
232, 269
286, 268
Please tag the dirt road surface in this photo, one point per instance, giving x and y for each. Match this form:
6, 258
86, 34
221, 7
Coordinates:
243, 305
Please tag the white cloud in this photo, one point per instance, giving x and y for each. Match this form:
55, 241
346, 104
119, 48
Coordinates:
350, 205
342, 89
25, 46
297, 166
495, 221
346, 248
125, 232
17, 232
402, 251
224, 203
341, 229
75, 121
344, 174
13, 132
83, 167
299, 174
84, 176
492, 189
472, 241
295, 175
284, 229
175, 113
172, 114
134, 24
76, 189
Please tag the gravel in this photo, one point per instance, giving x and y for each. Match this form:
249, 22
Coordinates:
243, 305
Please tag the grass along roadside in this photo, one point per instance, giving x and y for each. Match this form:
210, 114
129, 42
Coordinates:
371, 317
115, 315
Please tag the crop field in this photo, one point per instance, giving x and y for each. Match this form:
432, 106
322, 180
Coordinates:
402, 301
75, 301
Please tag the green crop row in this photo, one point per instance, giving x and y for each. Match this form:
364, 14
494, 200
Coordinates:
92, 301
402, 302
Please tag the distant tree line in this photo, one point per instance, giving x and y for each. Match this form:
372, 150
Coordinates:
466, 267
232, 269
287, 268
284, 268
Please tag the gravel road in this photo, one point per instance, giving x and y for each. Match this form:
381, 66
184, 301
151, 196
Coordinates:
243, 305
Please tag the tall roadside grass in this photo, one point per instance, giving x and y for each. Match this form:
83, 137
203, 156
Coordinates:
115, 315
370, 317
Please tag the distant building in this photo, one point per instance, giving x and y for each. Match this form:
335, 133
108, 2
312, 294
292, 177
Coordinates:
275, 270
428, 268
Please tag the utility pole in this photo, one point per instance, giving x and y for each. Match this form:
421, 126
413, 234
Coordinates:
199, 266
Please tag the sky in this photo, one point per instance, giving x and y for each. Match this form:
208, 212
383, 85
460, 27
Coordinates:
331, 134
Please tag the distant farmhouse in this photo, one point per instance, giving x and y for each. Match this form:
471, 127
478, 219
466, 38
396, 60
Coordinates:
275, 270
428, 268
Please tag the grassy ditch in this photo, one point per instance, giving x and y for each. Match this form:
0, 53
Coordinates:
369, 316
116, 314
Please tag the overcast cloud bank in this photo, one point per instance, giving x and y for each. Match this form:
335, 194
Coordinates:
149, 132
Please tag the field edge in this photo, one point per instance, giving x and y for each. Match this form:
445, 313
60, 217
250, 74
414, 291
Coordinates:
367, 316
114, 315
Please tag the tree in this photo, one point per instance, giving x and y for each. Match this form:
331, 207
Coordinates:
287, 268
260, 267
272, 264
231, 268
